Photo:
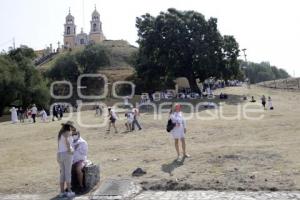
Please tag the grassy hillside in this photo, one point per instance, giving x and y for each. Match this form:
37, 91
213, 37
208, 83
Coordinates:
120, 52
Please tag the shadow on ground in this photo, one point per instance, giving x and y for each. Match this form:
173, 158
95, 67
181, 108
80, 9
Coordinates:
170, 167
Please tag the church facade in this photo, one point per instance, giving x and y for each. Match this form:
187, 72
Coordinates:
73, 40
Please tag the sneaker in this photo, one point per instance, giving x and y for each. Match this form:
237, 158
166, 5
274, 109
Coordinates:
186, 156
70, 194
62, 194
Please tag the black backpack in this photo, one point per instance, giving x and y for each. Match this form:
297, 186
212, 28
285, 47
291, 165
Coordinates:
170, 125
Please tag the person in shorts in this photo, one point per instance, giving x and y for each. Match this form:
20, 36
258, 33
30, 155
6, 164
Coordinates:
112, 120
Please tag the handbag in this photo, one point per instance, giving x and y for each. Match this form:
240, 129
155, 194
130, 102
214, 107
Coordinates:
170, 125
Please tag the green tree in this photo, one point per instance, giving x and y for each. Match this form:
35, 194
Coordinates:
92, 58
183, 43
258, 72
11, 81
33, 88
231, 68
65, 68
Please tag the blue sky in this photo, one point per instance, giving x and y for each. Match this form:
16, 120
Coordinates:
269, 29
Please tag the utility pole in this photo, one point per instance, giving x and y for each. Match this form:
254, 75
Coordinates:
245, 56
14, 43
244, 51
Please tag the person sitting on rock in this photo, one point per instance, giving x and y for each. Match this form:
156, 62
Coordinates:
80, 157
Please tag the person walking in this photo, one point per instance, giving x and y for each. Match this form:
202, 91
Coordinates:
263, 101
21, 114
55, 112
129, 121
34, 112
112, 120
44, 116
136, 115
270, 104
179, 131
65, 158
14, 115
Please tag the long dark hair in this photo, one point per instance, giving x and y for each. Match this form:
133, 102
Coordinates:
63, 129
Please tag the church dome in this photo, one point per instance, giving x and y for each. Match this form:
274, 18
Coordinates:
69, 17
95, 13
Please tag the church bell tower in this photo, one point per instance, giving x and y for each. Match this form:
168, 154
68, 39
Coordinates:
70, 32
96, 34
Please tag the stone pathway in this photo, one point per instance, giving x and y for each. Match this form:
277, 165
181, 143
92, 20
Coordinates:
179, 195
215, 195
37, 197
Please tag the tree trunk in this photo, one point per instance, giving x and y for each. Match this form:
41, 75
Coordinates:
1, 110
193, 83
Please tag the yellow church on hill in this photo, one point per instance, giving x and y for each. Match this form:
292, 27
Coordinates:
72, 40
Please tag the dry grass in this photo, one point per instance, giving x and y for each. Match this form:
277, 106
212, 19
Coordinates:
225, 154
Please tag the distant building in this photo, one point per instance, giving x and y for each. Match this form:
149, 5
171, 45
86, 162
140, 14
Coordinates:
72, 40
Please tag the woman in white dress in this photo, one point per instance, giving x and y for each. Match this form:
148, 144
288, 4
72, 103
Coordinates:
179, 131
270, 104
14, 115
43, 115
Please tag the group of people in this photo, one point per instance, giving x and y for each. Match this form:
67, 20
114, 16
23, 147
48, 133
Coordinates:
71, 157
58, 111
20, 114
270, 103
265, 104
131, 119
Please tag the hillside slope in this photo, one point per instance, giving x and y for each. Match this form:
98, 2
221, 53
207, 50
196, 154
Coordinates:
120, 52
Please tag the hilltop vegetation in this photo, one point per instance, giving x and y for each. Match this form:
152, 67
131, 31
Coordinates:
20, 83
119, 53
259, 72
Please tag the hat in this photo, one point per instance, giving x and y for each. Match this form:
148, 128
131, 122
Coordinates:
69, 123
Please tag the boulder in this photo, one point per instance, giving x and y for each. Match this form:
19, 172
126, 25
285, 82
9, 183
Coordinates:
91, 177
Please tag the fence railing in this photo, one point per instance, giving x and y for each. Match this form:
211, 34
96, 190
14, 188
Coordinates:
290, 83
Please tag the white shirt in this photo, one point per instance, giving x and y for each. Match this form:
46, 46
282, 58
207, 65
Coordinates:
126, 101
130, 117
113, 114
270, 103
34, 110
62, 146
178, 130
80, 153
